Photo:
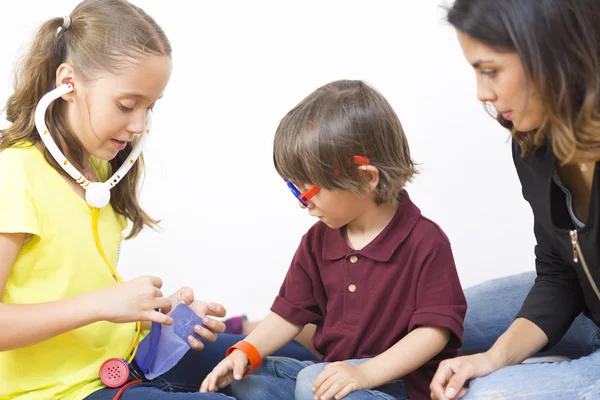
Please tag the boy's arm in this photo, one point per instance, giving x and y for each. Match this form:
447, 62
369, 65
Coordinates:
272, 334
418, 347
436, 324
294, 303
410, 353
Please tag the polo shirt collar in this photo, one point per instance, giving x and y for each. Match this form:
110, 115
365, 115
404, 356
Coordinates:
385, 244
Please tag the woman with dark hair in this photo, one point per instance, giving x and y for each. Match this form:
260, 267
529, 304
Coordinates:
538, 67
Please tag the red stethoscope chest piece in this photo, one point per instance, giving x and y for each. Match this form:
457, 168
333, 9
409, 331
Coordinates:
114, 372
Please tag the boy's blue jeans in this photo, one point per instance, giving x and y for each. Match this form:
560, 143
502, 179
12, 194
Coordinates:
287, 378
492, 308
183, 381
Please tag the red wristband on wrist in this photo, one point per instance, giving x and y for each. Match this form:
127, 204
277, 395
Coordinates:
250, 351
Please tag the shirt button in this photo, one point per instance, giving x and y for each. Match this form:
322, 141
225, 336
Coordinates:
353, 259
352, 288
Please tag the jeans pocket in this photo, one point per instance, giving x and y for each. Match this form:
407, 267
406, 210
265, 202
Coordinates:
284, 367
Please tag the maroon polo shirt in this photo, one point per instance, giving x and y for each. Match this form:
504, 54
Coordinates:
365, 301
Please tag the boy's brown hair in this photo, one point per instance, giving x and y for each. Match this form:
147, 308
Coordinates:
336, 122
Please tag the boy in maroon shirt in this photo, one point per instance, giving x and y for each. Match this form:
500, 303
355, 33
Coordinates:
376, 277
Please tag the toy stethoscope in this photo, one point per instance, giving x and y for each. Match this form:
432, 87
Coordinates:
114, 372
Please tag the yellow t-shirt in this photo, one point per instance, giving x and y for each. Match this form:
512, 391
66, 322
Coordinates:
59, 261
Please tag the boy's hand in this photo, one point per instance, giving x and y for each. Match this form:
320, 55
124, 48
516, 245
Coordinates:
231, 368
202, 309
338, 380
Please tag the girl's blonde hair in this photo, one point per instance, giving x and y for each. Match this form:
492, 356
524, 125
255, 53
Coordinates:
103, 36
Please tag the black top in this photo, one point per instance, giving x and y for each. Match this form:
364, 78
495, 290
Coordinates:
562, 289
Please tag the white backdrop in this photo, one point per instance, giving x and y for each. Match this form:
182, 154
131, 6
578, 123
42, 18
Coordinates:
229, 225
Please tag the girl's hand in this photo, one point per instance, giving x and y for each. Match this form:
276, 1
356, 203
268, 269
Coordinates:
202, 309
135, 300
230, 369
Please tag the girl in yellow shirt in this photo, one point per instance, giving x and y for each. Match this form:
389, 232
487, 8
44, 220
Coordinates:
61, 313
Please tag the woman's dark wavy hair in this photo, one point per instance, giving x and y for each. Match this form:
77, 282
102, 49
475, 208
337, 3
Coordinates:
558, 42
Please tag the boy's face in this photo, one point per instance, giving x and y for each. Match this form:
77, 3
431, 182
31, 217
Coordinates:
335, 208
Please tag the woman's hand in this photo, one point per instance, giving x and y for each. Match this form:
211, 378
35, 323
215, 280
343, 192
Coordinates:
452, 375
